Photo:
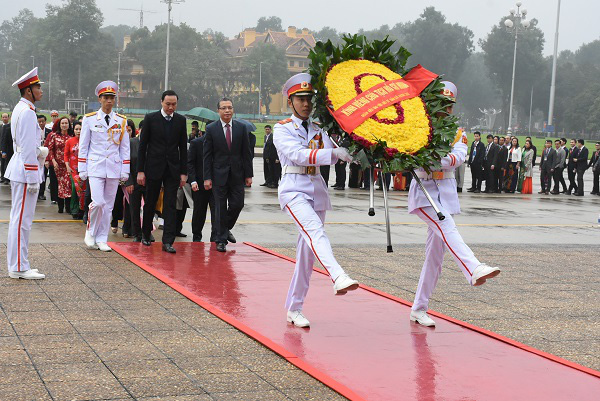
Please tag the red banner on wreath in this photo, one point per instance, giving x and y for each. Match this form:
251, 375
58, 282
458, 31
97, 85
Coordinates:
383, 95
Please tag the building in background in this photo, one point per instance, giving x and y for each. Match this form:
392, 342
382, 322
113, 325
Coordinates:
296, 43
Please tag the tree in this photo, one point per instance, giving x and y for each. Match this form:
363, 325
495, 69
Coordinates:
327, 33
475, 90
498, 48
118, 32
265, 23
274, 70
436, 44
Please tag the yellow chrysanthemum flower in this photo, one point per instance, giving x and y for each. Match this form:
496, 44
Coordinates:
349, 78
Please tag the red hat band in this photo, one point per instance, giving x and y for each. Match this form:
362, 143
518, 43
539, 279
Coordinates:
33, 80
107, 90
301, 87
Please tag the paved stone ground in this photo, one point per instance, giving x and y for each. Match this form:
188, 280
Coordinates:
98, 327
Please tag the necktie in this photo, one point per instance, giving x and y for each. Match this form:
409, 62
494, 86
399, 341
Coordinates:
305, 125
228, 135
107, 119
168, 117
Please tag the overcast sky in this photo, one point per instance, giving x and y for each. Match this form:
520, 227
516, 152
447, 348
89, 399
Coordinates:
578, 25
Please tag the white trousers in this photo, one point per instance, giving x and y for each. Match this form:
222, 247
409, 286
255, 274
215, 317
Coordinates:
104, 191
21, 217
312, 243
441, 236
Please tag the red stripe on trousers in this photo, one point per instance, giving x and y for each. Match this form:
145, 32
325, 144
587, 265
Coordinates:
20, 221
311, 242
446, 242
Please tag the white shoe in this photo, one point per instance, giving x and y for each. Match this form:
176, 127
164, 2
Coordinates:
104, 247
482, 273
344, 284
297, 318
27, 275
421, 317
89, 240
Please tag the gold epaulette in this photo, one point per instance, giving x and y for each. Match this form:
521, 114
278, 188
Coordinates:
90, 114
122, 116
287, 120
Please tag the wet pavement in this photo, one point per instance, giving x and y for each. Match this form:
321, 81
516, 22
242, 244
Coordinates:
99, 327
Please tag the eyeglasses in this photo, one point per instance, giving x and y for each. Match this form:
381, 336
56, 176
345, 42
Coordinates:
226, 108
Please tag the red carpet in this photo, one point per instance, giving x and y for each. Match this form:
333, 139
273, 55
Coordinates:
361, 344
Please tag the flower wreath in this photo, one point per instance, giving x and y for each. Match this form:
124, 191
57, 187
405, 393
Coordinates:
406, 135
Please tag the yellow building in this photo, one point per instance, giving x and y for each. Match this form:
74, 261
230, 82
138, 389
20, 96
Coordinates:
296, 43
132, 90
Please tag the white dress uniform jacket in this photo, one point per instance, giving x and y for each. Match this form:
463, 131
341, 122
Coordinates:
293, 147
25, 166
104, 148
443, 192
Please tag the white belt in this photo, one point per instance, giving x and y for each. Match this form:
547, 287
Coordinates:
300, 170
435, 175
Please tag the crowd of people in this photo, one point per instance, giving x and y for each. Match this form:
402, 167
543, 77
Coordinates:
501, 163
504, 166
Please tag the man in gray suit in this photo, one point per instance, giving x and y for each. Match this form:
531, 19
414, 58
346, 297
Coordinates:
561, 158
547, 167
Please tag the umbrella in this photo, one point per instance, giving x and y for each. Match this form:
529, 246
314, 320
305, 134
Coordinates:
251, 127
202, 114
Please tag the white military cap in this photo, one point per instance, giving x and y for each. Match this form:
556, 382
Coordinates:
106, 88
31, 78
450, 90
298, 85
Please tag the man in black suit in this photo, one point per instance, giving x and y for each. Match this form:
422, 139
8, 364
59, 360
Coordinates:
162, 161
274, 165
501, 164
581, 164
572, 167
561, 178
227, 168
6, 145
202, 197
489, 164
476, 163
595, 165
266, 163
135, 190
547, 164
45, 131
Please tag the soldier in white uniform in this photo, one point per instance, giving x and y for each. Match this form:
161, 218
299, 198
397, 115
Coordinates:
442, 235
302, 147
104, 158
25, 171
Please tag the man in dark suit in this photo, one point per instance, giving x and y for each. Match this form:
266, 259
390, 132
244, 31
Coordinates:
476, 163
6, 145
595, 165
489, 164
581, 164
559, 166
162, 161
274, 165
202, 197
572, 167
561, 177
547, 165
501, 164
45, 131
266, 163
133, 189
227, 168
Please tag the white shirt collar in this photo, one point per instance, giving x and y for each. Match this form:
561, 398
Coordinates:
223, 123
165, 114
27, 102
102, 114
299, 121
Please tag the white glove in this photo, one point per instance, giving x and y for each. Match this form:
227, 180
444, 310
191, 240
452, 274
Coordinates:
33, 188
342, 154
83, 175
124, 177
